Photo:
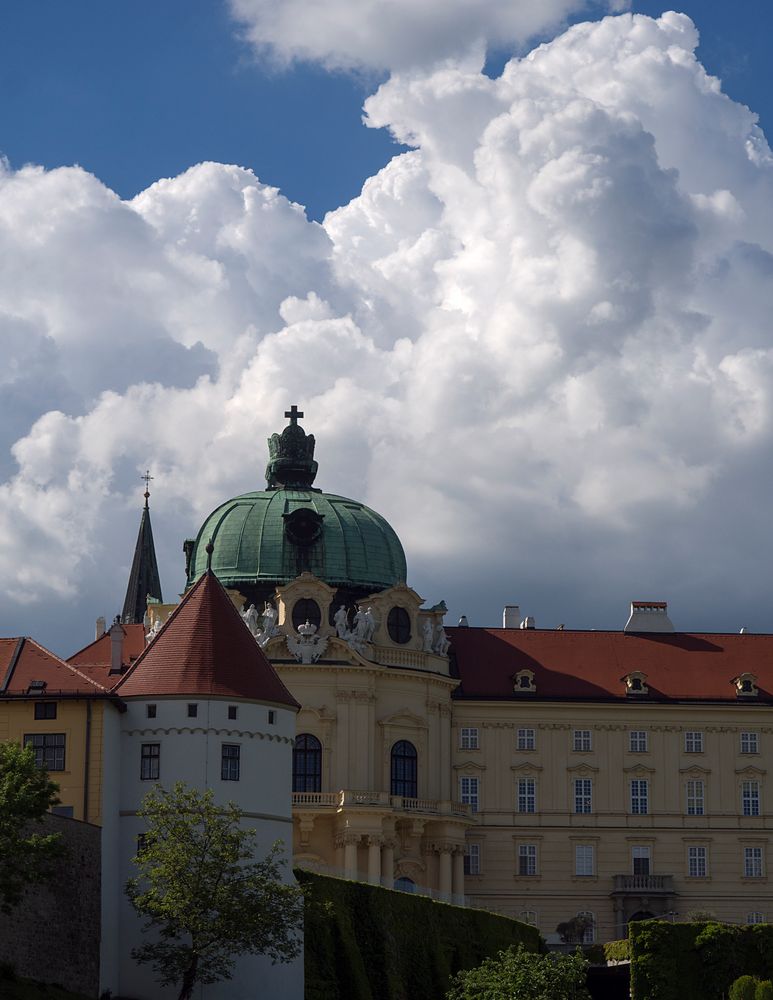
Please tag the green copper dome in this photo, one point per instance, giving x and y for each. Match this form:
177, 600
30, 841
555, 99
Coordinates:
271, 536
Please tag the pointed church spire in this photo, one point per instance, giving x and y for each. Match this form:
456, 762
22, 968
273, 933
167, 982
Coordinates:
144, 580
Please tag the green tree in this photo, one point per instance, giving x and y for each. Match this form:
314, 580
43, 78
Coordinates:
26, 793
516, 974
744, 988
202, 893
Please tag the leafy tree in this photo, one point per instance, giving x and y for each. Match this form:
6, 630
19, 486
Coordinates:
744, 988
573, 931
204, 895
26, 793
516, 974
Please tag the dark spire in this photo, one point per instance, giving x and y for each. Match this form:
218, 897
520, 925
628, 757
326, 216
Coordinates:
144, 580
291, 455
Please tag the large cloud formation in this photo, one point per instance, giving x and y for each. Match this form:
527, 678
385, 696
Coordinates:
539, 342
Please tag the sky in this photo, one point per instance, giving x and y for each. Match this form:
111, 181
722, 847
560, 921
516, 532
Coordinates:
513, 259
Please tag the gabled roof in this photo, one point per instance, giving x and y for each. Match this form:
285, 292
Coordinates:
144, 580
95, 659
22, 661
590, 666
204, 650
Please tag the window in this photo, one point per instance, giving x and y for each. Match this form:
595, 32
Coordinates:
468, 738
150, 761
695, 797
697, 863
63, 811
404, 770
640, 796
693, 742
45, 709
581, 740
405, 884
472, 859
307, 764
468, 792
306, 610
583, 795
527, 859
750, 798
232, 711
526, 739
150, 711
750, 743
755, 917
640, 860
193, 710
588, 923
271, 717
399, 625
752, 862
637, 741
527, 795
49, 750
524, 681
229, 762
528, 917
584, 860
142, 842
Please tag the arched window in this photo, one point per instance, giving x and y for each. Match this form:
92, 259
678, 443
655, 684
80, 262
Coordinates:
404, 770
306, 610
307, 764
405, 884
587, 926
399, 625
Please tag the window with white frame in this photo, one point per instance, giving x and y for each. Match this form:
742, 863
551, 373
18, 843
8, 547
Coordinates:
230, 762
583, 795
468, 791
755, 917
697, 862
750, 798
640, 860
527, 795
584, 859
581, 740
752, 862
472, 859
693, 742
526, 739
468, 738
750, 743
640, 796
637, 741
588, 926
695, 797
150, 761
527, 859
528, 917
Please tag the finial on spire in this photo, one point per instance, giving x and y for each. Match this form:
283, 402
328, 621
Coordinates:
294, 414
210, 548
291, 455
147, 477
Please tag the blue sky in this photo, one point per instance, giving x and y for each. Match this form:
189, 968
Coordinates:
137, 91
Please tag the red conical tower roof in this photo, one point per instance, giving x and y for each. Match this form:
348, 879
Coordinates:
205, 650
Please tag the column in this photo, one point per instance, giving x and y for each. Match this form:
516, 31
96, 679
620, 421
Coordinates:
458, 875
388, 862
374, 860
444, 877
349, 842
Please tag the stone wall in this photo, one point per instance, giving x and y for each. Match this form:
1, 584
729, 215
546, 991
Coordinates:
53, 935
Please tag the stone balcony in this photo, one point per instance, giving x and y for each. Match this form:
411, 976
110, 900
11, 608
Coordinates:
644, 885
347, 799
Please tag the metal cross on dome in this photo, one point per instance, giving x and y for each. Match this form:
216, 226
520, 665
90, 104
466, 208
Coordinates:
294, 414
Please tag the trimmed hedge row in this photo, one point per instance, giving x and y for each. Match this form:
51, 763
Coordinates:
363, 942
617, 951
697, 961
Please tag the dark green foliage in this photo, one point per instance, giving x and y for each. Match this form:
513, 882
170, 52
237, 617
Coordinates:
744, 988
516, 974
764, 990
697, 961
367, 943
617, 951
26, 794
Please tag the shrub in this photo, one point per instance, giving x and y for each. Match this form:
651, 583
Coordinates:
744, 988
617, 951
764, 990
522, 974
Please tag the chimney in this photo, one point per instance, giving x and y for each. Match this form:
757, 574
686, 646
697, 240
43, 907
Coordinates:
99, 628
116, 646
649, 616
511, 616
463, 623
528, 622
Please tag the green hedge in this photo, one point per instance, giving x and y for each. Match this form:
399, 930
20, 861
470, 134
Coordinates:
617, 951
697, 961
367, 943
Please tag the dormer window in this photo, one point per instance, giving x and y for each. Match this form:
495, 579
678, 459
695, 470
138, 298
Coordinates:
636, 683
745, 686
523, 682
36, 687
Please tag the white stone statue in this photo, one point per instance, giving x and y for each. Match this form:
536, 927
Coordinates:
361, 625
442, 641
269, 618
251, 619
341, 622
307, 646
370, 625
155, 628
427, 636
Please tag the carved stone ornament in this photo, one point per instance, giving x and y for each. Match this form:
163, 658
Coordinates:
306, 646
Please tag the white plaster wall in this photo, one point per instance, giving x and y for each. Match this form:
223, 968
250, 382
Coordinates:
111, 857
191, 752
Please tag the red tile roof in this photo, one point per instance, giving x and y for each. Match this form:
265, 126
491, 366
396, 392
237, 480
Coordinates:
590, 665
205, 649
22, 660
94, 660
